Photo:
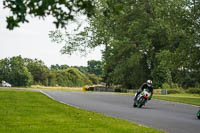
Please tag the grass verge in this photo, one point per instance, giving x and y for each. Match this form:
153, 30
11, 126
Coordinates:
57, 88
32, 112
181, 98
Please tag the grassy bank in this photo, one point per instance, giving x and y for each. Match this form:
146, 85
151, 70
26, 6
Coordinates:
57, 88
32, 112
37, 88
182, 98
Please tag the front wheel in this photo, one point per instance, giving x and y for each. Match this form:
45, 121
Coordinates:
141, 102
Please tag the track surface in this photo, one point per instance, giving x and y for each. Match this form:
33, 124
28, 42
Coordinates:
168, 116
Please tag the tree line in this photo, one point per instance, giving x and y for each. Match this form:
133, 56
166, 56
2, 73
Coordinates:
143, 39
20, 71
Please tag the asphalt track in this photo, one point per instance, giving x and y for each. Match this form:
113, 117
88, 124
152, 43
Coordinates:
168, 116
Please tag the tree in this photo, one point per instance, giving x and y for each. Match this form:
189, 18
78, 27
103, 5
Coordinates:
57, 67
95, 67
4, 69
152, 27
143, 40
15, 72
39, 71
83, 69
61, 10
93, 78
52, 78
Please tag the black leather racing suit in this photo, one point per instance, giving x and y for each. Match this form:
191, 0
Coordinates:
144, 86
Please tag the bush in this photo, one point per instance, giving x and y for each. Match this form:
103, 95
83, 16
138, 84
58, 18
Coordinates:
166, 86
174, 91
170, 86
193, 91
93, 78
71, 77
157, 91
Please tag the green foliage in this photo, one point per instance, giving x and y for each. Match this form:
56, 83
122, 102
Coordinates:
174, 91
197, 85
82, 69
160, 31
159, 78
15, 72
51, 78
38, 70
25, 72
157, 31
61, 10
78, 77
157, 39
95, 67
193, 90
166, 86
71, 77
93, 78
57, 67
4, 69
130, 72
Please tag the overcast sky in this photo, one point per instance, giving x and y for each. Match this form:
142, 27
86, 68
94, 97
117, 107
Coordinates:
31, 40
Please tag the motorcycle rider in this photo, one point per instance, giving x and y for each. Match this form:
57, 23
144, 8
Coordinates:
147, 85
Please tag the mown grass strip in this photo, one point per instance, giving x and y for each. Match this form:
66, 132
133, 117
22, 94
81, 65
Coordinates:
32, 112
187, 99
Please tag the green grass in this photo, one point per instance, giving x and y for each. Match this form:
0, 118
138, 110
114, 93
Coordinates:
193, 99
32, 112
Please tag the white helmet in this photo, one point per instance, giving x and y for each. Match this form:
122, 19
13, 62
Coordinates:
149, 82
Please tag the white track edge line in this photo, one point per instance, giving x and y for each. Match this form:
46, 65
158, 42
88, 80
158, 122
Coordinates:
44, 93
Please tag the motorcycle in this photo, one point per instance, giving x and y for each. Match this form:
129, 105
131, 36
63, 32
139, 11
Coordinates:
142, 98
